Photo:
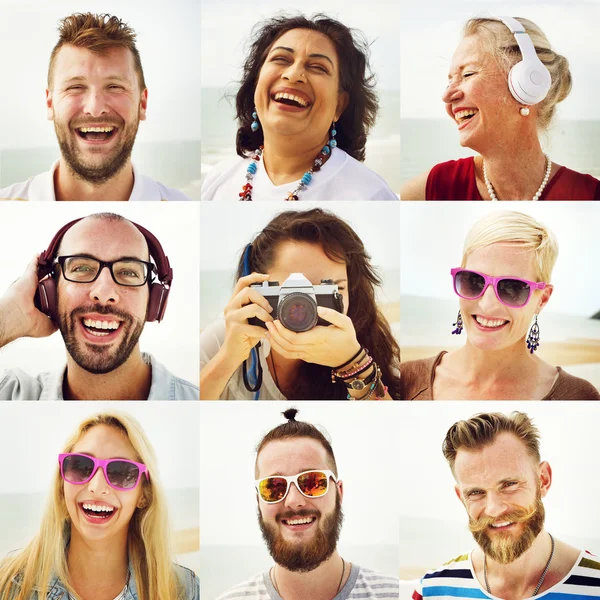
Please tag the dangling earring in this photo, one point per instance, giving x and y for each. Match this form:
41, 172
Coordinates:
533, 338
255, 126
524, 111
332, 142
458, 324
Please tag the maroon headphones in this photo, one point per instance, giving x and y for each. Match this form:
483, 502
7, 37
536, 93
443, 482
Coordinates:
46, 298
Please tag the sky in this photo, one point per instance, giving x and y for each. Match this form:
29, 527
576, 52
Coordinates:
35, 433
169, 46
432, 236
174, 341
428, 40
226, 26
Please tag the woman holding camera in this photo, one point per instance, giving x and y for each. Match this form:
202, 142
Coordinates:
355, 357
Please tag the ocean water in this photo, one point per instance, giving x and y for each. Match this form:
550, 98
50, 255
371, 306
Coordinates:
174, 164
222, 567
383, 148
426, 142
216, 288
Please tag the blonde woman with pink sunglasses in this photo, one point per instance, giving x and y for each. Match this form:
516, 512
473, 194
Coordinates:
502, 285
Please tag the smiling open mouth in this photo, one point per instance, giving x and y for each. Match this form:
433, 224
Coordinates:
96, 134
299, 521
99, 512
290, 100
100, 328
490, 324
462, 116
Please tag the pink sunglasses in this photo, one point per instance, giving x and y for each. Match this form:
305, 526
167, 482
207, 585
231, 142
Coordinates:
511, 291
120, 474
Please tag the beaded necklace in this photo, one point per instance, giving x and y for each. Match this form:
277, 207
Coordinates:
246, 193
537, 195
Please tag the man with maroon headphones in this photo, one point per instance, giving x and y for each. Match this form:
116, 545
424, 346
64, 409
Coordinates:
100, 313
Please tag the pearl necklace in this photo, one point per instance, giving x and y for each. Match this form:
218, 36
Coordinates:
537, 195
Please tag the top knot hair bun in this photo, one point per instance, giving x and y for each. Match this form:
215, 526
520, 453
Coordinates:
290, 414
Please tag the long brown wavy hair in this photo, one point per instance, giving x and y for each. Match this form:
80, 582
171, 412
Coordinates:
341, 244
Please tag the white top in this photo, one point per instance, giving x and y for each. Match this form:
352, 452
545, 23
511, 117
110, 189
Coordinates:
41, 187
15, 384
341, 178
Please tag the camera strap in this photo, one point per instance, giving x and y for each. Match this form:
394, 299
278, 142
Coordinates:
255, 366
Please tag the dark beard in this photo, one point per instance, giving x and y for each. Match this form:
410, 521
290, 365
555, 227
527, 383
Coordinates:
302, 558
105, 359
506, 549
103, 173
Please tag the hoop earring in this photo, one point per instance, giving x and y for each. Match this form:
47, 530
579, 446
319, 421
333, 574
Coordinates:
533, 338
255, 126
458, 324
332, 141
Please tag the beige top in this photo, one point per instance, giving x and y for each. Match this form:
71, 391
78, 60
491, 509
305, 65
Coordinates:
417, 376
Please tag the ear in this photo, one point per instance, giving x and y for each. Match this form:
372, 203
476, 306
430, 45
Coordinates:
547, 292
142, 502
545, 474
340, 486
143, 104
342, 105
49, 106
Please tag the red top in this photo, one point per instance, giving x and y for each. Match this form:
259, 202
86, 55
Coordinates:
455, 180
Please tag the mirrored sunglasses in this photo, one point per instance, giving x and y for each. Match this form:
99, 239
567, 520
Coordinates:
312, 484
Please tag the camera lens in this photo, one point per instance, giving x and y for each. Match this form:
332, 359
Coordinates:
297, 312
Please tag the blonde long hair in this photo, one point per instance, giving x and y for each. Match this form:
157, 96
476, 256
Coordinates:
147, 543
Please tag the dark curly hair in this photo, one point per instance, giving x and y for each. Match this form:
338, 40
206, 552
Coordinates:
356, 80
341, 244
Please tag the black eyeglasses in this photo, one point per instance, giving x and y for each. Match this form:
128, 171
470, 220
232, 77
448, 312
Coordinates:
85, 269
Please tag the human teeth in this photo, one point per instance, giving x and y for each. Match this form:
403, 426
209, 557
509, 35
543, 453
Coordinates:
488, 322
96, 508
101, 324
96, 129
502, 524
286, 96
463, 114
300, 521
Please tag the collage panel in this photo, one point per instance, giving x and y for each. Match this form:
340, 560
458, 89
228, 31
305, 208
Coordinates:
304, 105
302, 495
299, 303
99, 500
498, 107
503, 496
127, 331
105, 104
490, 308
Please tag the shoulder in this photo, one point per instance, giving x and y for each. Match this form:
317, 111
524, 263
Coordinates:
222, 173
189, 580
452, 180
454, 576
166, 386
15, 384
572, 185
356, 180
171, 194
569, 387
253, 588
147, 189
372, 584
25, 190
414, 189
416, 376
211, 340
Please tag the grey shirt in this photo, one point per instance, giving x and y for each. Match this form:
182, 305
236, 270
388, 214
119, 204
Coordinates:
15, 384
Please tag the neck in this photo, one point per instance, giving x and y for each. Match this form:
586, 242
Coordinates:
97, 569
322, 583
286, 161
69, 186
130, 381
284, 371
515, 169
520, 578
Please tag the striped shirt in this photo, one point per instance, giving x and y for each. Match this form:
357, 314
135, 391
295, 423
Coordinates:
456, 580
362, 583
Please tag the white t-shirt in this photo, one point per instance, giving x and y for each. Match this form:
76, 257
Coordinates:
41, 187
341, 178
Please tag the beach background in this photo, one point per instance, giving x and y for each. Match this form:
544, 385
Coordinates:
365, 442
223, 56
427, 42
431, 240
33, 434
433, 522
168, 143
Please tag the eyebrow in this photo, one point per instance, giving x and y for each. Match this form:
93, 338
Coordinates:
85, 255
280, 474
112, 458
498, 484
462, 67
313, 55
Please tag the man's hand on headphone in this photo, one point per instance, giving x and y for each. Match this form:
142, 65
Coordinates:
18, 315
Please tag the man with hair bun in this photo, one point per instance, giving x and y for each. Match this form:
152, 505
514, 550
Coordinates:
501, 480
299, 500
96, 97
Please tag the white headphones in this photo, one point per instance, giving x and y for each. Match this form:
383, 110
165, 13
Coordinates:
529, 80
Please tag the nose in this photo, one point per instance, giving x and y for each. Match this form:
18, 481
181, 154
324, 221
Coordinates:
495, 505
98, 484
104, 290
489, 299
452, 92
95, 103
293, 72
294, 498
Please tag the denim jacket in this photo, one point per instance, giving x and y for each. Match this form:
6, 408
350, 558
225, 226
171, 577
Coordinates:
191, 583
